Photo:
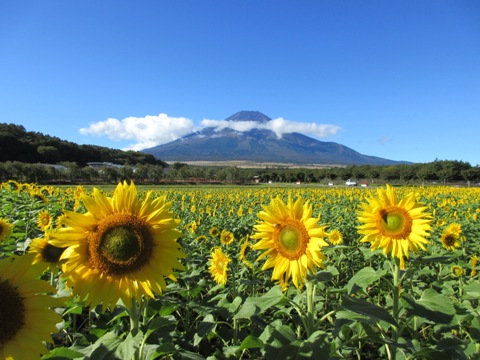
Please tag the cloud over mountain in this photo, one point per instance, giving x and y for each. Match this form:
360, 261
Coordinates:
279, 126
153, 130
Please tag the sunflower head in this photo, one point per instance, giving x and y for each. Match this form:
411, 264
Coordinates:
44, 220
395, 226
26, 320
451, 237
5, 229
219, 265
214, 232
457, 270
124, 243
46, 253
39, 196
227, 237
335, 237
292, 240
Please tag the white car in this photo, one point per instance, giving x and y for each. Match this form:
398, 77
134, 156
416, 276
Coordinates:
350, 182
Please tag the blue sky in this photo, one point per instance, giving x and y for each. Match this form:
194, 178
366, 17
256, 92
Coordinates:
395, 79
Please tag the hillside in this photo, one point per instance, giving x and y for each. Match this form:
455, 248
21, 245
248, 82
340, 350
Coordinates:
17, 144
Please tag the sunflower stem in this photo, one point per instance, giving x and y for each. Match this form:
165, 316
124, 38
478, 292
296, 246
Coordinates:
134, 313
310, 320
234, 295
396, 297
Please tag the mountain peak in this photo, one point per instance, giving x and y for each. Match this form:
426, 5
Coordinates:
249, 116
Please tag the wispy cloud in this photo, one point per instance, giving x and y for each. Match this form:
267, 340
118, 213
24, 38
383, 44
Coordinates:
152, 130
384, 140
145, 132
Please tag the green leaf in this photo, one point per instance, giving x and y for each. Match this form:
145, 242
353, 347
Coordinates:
204, 328
251, 342
256, 305
472, 291
283, 344
370, 310
432, 306
129, 346
322, 276
62, 353
362, 279
104, 348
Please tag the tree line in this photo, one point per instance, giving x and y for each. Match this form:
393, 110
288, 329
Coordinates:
34, 157
438, 171
17, 144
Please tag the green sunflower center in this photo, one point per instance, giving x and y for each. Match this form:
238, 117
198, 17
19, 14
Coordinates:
121, 244
52, 253
291, 239
395, 222
12, 312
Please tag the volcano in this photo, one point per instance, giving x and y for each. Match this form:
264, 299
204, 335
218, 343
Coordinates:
259, 145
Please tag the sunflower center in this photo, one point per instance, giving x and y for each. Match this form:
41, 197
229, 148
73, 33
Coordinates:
12, 312
51, 254
395, 222
291, 239
450, 240
121, 244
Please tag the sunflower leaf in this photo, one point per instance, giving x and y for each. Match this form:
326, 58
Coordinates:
370, 310
363, 279
256, 305
432, 306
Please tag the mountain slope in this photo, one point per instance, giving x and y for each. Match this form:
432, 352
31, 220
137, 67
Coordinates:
259, 145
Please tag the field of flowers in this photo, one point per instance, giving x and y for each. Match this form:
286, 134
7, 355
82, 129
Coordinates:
239, 272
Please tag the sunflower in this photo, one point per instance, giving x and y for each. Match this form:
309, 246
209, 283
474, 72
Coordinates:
395, 226
122, 248
44, 220
5, 229
291, 238
451, 236
39, 196
335, 237
201, 239
214, 232
457, 270
226, 237
46, 253
26, 320
219, 265
243, 252
474, 263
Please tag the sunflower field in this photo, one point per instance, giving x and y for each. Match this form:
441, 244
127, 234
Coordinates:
253, 272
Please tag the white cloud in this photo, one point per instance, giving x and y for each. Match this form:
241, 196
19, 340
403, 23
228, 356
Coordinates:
279, 126
235, 125
145, 131
149, 131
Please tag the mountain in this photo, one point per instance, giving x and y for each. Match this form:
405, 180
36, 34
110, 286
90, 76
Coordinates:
259, 145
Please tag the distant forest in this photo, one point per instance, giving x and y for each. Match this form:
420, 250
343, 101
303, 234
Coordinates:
17, 144
34, 157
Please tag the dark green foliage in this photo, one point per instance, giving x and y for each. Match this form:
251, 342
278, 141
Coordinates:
17, 144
